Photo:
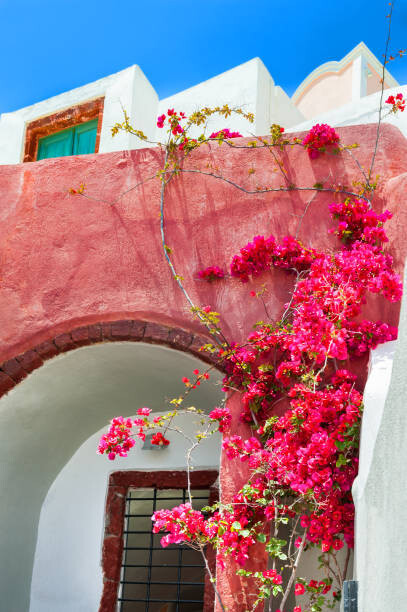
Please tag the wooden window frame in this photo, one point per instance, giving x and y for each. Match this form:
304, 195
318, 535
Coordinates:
70, 117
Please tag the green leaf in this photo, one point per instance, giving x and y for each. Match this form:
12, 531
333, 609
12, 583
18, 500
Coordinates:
236, 526
261, 537
341, 461
243, 572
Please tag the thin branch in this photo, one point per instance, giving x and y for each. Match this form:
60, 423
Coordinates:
381, 93
274, 189
113, 202
293, 573
303, 215
345, 569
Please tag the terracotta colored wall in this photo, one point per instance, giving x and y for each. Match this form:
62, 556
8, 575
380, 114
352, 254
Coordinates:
69, 262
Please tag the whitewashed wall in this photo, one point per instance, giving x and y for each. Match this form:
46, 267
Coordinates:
45, 420
128, 89
249, 86
67, 575
365, 110
380, 491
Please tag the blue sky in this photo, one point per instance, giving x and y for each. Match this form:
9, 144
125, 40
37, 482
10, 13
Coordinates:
51, 46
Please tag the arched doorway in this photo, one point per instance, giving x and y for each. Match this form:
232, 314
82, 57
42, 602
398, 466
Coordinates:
50, 421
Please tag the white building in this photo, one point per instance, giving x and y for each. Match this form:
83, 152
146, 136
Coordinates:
67, 498
340, 93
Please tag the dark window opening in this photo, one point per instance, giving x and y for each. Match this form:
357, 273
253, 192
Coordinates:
153, 578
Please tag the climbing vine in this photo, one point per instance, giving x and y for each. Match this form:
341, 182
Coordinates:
300, 400
294, 374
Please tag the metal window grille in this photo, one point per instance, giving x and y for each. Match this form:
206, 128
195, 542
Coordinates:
153, 578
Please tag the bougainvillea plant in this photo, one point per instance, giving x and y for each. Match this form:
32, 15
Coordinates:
294, 375
397, 102
302, 404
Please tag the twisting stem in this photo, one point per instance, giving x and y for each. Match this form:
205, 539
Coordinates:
293, 573
303, 214
212, 579
164, 183
345, 569
381, 94
194, 445
338, 570
274, 189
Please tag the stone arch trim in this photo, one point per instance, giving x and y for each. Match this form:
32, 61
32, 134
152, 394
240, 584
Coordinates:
16, 369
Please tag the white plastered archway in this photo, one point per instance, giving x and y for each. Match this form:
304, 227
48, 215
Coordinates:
47, 434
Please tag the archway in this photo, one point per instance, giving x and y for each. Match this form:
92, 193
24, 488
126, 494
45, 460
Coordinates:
50, 414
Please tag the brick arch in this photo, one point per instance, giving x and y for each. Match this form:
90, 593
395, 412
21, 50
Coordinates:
16, 369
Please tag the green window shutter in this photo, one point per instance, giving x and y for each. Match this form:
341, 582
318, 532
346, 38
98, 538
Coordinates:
85, 138
56, 145
74, 141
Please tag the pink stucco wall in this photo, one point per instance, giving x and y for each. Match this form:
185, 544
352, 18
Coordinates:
68, 261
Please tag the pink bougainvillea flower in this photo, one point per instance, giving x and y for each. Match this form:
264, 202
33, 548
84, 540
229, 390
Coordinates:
318, 138
304, 412
144, 411
398, 103
225, 133
299, 589
211, 273
159, 440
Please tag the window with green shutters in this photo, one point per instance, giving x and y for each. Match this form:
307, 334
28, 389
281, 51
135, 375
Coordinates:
73, 141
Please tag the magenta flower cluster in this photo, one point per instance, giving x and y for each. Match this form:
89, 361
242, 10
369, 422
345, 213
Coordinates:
398, 103
173, 121
263, 253
318, 138
211, 273
120, 437
225, 133
358, 221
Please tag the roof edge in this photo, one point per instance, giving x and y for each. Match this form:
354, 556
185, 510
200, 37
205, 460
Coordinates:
337, 66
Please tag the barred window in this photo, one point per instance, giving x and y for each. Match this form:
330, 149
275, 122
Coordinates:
153, 578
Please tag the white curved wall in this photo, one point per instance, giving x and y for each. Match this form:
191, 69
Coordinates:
67, 575
380, 492
365, 110
47, 417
